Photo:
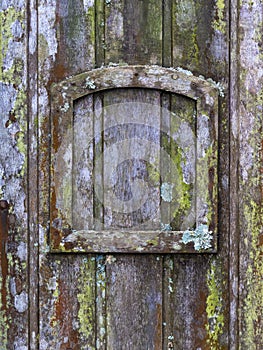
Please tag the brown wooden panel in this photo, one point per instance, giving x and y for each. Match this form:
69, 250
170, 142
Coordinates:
69, 304
134, 319
68, 288
133, 32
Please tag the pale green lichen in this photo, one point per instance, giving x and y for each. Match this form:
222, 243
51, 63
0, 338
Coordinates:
214, 306
253, 306
85, 297
170, 285
153, 242
219, 23
201, 237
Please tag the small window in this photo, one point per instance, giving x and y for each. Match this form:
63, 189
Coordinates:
134, 162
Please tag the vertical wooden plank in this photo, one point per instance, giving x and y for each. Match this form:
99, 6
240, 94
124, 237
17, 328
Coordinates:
98, 209
179, 275
165, 166
134, 305
69, 304
167, 47
132, 279
66, 46
82, 165
33, 190
101, 303
131, 157
140, 324
76, 37
114, 26
134, 32
100, 44
199, 45
13, 175
250, 180
234, 109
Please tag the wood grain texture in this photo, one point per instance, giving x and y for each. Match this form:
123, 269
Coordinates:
200, 36
33, 190
146, 48
249, 124
134, 318
138, 334
14, 264
67, 284
114, 301
127, 116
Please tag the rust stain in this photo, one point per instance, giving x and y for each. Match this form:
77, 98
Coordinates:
200, 312
3, 256
59, 72
64, 317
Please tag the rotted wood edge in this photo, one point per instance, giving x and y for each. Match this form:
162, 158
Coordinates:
172, 80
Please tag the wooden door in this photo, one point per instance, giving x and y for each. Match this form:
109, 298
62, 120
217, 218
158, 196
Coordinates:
180, 82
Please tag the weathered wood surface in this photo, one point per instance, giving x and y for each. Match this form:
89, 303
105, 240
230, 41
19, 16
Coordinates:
14, 267
106, 302
247, 134
130, 128
140, 35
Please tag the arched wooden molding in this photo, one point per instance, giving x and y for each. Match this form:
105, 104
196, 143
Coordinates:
65, 236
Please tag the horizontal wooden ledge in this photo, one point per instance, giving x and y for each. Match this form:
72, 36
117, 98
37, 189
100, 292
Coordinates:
124, 241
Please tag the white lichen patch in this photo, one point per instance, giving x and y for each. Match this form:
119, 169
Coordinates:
166, 227
65, 107
170, 285
176, 246
47, 20
90, 84
87, 4
201, 237
220, 87
22, 251
167, 191
21, 302
184, 71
